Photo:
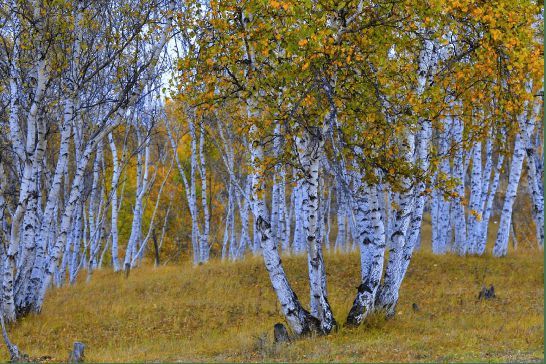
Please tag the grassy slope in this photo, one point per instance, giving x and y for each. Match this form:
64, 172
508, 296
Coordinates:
226, 312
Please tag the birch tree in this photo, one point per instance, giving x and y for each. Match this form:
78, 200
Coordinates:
526, 122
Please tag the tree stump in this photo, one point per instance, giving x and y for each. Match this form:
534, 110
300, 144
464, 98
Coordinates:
127, 270
77, 354
280, 333
487, 293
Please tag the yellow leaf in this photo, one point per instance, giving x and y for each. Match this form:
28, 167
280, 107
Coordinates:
275, 4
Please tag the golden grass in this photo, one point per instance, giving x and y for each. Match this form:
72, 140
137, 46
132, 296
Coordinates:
226, 312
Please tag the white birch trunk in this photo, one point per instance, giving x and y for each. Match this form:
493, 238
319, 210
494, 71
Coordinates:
229, 245
75, 197
244, 208
95, 210
341, 238
298, 245
535, 180
196, 233
526, 126
50, 208
460, 245
32, 151
422, 149
283, 233
326, 219
371, 240
476, 183
189, 188
141, 187
275, 216
484, 225
310, 149
204, 247
139, 253
116, 173
441, 206
300, 321
501, 244
387, 297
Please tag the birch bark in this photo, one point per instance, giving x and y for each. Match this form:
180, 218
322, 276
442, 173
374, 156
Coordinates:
300, 320
310, 149
116, 173
204, 247
387, 297
476, 183
441, 210
457, 209
526, 125
372, 249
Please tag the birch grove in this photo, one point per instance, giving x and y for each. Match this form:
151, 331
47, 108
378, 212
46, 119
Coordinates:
171, 131
87, 97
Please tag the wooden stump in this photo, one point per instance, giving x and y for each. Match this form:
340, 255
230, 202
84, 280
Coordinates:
77, 354
280, 333
127, 270
487, 293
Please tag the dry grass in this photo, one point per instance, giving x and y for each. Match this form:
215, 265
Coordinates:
226, 312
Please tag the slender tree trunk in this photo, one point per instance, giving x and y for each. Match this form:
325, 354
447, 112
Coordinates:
326, 218
535, 184
244, 208
341, 238
298, 246
275, 215
189, 188
501, 244
75, 197
372, 249
476, 183
116, 173
441, 207
76, 235
283, 230
484, 225
95, 210
423, 151
526, 126
387, 297
310, 149
141, 187
151, 226
300, 320
32, 152
459, 224
204, 247
227, 228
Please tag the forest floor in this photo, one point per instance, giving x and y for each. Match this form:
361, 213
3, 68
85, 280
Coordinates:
226, 312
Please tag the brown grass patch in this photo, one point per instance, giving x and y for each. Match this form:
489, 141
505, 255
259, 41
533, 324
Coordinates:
226, 312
